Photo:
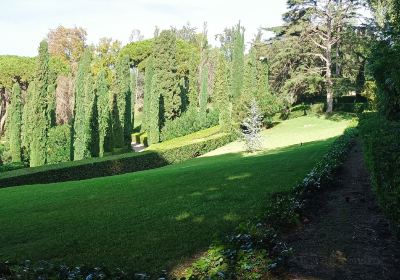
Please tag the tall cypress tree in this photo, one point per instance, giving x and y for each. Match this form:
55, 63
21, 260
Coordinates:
80, 147
149, 73
204, 94
90, 137
221, 91
154, 112
14, 128
123, 108
236, 79
40, 117
134, 81
103, 108
167, 80
27, 124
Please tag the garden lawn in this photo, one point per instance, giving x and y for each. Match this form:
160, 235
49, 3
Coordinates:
149, 220
299, 130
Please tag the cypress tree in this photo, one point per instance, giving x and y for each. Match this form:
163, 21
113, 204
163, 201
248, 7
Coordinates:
154, 112
80, 147
103, 108
27, 124
134, 80
204, 94
40, 116
221, 91
167, 80
236, 82
14, 128
193, 82
123, 108
149, 73
90, 137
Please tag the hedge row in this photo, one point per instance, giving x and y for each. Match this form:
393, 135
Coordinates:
112, 165
382, 152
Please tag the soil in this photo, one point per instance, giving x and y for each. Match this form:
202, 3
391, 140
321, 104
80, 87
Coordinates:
345, 235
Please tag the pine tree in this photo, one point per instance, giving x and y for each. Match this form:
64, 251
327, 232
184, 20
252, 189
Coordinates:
221, 91
122, 91
167, 81
14, 127
80, 146
40, 117
149, 73
103, 108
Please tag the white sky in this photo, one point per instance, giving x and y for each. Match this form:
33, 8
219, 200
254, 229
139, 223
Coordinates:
24, 23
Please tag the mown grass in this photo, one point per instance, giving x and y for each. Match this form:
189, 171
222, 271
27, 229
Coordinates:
154, 219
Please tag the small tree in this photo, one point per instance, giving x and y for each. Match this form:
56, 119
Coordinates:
251, 127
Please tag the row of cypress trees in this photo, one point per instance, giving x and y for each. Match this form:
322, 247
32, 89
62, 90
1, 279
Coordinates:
103, 111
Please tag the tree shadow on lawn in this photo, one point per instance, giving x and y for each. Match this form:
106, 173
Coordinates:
151, 220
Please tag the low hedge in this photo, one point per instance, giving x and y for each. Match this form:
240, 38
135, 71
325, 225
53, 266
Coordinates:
113, 165
382, 153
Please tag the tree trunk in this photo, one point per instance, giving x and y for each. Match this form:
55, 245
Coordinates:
329, 82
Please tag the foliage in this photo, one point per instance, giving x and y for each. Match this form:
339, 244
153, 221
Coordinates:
221, 92
122, 121
59, 144
16, 69
189, 122
80, 113
165, 76
67, 43
14, 124
112, 165
40, 120
147, 94
251, 127
382, 151
103, 109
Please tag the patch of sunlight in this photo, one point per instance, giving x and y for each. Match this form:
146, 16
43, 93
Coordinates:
196, 194
213, 189
183, 216
231, 217
199, 219
237, 177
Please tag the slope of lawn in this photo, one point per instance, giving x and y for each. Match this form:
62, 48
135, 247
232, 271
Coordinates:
149, 220
299, 130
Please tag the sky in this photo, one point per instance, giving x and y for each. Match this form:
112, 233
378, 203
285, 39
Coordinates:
24, 23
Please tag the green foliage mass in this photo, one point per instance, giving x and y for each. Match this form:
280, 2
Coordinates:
147, 94
122, 126
14, 124
40, 120
221, 92
103, 109
16, 69
59, 144
166, 83
80, 112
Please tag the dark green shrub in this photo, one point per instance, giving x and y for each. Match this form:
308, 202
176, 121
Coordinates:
112, 165
189, 122
357, 107
59, 144
382, 152
318, 108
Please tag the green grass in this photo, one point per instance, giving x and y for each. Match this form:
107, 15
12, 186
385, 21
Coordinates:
149, 220
298, 130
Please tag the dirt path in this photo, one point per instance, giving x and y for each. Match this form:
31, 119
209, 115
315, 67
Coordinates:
347, 237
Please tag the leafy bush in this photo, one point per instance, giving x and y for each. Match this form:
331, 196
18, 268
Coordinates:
59, 144
357, 107
112, 165
190, 121
382, 152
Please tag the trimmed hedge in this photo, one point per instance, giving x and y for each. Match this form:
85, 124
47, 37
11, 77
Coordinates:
382, 153
113, 165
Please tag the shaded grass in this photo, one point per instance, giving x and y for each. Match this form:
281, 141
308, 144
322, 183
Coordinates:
149, 220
